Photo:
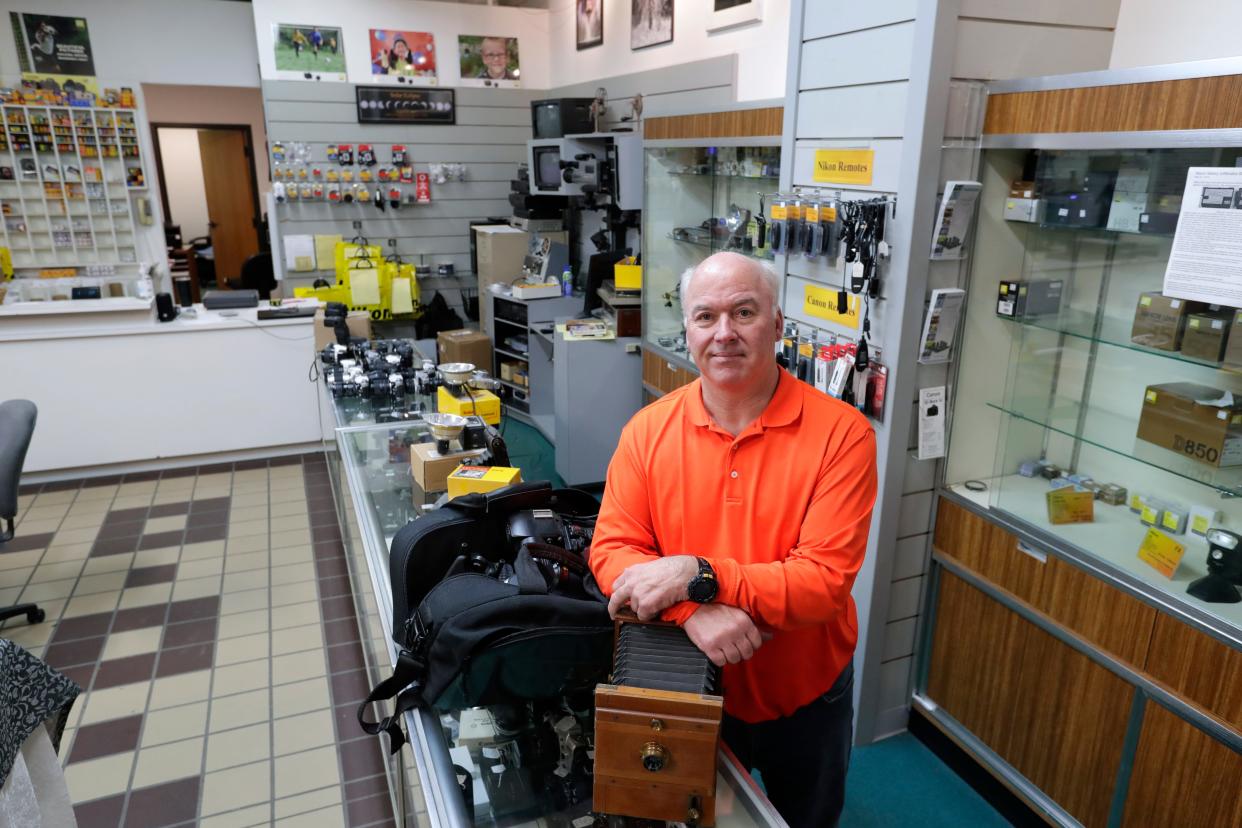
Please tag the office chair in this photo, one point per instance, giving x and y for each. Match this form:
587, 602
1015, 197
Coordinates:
17, 422
256, 274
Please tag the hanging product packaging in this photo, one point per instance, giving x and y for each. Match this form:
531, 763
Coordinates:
422, 188
345, 154
278, 190
394, 197
778, 213
331, 152
334, 194
407, 175
399, 155
812, 239
366, 155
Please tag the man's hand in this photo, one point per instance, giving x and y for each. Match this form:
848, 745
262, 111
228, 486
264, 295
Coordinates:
726, 634
652, 587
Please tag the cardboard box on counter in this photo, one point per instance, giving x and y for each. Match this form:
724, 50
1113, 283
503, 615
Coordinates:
431, 468
1191, 420
358, 322
465, 345
467, 479
1160, 321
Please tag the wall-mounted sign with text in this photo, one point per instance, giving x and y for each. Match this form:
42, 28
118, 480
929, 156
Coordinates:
385, 105
851, 166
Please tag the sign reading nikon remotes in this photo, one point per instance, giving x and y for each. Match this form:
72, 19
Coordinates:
852, 166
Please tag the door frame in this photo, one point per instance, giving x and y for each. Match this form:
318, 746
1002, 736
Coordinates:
247, 134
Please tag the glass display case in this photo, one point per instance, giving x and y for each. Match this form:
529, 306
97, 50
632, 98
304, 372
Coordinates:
699, 200
1097, 412
376, 496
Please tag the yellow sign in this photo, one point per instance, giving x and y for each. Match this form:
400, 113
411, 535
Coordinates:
834, 166
1069, 505
822, 303
1161, 552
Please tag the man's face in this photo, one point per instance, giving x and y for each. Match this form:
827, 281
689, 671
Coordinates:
495, 58
732, 325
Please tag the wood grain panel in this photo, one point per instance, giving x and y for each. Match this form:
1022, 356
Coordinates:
663, 375
1190, 103
1182, 776
989, 550
737, 124
1046, 709
1197, 667
1105, 616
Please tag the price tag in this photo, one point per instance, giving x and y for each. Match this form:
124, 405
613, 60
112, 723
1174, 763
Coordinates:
1070, 506
1161, 552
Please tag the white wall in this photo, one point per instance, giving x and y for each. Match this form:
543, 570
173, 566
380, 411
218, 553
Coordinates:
444, 20
762, 48
1155, 31
183, 180
206, 42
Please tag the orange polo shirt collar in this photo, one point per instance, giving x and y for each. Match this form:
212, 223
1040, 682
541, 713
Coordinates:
783, 409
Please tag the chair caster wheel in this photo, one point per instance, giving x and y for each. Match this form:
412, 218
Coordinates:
35, 616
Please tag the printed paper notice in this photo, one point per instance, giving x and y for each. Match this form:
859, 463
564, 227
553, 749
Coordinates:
299, 253
364, 287
957, 213
1206, 262
931, 422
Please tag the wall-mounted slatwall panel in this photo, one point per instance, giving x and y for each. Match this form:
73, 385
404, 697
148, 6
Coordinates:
490, 137
850, 59
830, 17
698, 86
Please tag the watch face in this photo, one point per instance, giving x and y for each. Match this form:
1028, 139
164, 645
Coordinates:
702, 590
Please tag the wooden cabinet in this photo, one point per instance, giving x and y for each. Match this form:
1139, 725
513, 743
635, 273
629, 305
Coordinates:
1198, 667
989, 551
662, 376
1053, 714
1182, 776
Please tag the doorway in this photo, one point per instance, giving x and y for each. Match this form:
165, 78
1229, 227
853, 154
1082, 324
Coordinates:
208, 189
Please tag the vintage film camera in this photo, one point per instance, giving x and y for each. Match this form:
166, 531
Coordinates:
657, 726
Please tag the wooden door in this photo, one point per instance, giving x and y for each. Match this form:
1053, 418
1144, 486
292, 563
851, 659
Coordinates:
230, 189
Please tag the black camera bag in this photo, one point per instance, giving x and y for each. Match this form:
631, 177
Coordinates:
468, 639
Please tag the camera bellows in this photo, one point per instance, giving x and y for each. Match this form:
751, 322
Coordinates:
662, 658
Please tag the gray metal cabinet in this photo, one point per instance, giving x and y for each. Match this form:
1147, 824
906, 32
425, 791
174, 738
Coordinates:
598, 387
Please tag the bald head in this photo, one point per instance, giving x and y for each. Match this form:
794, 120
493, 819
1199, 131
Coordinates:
730, 264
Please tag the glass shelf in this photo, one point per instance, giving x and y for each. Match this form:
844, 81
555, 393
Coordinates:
716, 248
1113, 332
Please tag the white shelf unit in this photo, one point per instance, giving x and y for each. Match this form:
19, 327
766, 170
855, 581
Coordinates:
74, 207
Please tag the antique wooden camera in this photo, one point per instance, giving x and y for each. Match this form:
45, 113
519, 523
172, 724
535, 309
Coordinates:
657, 726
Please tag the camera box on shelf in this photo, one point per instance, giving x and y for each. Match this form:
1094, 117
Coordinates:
1206, 334
1022, 299
1160, 321
1197, 421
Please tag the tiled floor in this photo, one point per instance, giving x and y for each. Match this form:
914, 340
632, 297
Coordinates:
207, 615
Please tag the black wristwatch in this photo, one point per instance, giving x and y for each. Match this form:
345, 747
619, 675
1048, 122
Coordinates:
702, 587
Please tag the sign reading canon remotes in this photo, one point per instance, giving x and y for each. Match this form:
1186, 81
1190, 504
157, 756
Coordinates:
386, 105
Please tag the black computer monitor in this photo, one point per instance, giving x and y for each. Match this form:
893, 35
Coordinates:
599, 270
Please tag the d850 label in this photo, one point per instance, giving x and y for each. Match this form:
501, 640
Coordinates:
1202, 451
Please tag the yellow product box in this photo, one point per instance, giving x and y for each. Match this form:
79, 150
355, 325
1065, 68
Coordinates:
627, 276
467, 479
483, 403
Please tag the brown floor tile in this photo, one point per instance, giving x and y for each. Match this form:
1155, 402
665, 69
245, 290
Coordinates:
334, 567
244, 465
345, 657
206, 533
361, 757
167, 804
368, 811
194, 608
142, 477
159, 540
185, 659
128, 529
61, 486
286, 460
210, 504
184, 471
215, 468
100, 813
211, 517
70, 653
84, 626
30, 488
25, 543
138, 617
346, 718
80, 675
370, 786
340, 632
106, 738
341, 606
145, 575
106, 480
321, 520
189, 632
127, 515
170, 509
114, 546
328, 549
349, 686
332, 587
317, 505
117, 671
326, 533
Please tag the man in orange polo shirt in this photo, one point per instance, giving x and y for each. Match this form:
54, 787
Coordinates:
738, 506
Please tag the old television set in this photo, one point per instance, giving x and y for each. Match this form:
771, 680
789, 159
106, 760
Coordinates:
558, 117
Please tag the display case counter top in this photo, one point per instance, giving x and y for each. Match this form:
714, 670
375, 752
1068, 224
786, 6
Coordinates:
136, 318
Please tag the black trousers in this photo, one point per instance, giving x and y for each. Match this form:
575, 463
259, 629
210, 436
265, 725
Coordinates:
802, 757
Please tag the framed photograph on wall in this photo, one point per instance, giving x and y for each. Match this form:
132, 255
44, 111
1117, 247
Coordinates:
313, 53
729, 13
651, 23
589, 23
385, 105
403, 57
488, 60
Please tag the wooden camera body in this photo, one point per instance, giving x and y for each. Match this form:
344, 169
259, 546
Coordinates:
657, 727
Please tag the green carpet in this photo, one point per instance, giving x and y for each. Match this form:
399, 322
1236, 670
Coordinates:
530, 452
899, 782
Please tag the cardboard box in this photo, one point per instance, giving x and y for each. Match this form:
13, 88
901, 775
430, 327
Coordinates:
1019, 300
467, 479
465, 345
1181, 416
1205, 336
358, 322
1023, 209
483, 404
431, 469
1233, 344
1160, 321
500, 251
